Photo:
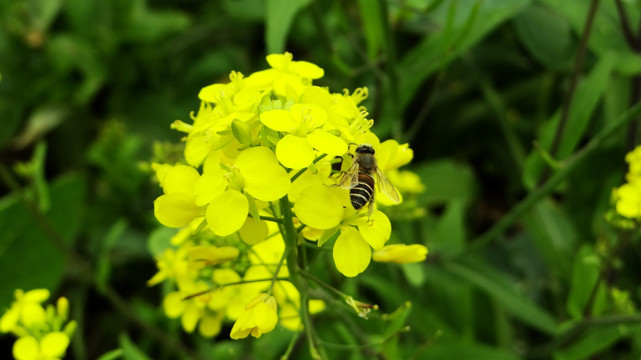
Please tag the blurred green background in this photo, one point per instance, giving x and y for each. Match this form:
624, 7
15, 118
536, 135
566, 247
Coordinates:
479, 88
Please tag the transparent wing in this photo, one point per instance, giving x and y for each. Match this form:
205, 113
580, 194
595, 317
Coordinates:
386, 187
350, 178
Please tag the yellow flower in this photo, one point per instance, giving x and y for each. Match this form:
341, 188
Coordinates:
193, 311
52, 346
177, 207
208, 255
304, 125
259, 317
400, 253
26, 310
172, 264
255, 172
628, 200
286, 78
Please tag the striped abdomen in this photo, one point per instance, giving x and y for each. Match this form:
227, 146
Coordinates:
362, 192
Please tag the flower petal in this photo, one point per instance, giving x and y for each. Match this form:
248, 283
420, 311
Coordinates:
190, 317
181, 179
173, 304
320, 206
208, 187
351, 252
54, 344
36, 295
401, 253
265, 317
377, 231
227, 213
210, 326
327, 143
176, 210
294, 152
9, 320
264, 178
311, 115
26, 348
32, 313
253, 231
307, 69
278, 119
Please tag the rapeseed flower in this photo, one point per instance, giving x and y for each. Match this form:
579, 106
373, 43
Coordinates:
264, 154
259, 317
627, 197
43, 333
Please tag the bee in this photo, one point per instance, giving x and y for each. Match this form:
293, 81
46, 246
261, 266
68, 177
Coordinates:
361, 183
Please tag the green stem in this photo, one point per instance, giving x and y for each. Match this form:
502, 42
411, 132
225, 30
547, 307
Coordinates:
280, 264
270, 218
568, 166
273, 279
301, 171
291, 237
324, 285
290, 347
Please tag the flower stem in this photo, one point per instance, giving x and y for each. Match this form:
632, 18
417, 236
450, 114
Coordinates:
280, 264
291, 245
301, 171
272, 279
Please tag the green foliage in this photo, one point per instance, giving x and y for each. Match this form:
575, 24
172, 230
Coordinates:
88, 89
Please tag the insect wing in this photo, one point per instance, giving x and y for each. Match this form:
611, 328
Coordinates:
386, 187
350, 179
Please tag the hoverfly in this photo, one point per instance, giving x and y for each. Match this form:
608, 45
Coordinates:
361, 183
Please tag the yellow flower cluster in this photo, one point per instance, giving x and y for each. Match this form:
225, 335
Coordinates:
215, 277
255, 141
43, 333
627, 197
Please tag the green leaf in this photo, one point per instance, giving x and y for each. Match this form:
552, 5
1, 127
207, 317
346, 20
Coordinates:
279, 17
591, 342
414, 273
584, 277
112, 355
26, 251
605, 37
446, 180
554, 235
464, 350
130, 350
371, 16
160, 240
449, 236
473, 21
104, 260
397, 319
585, 100
497, 286
550, 47
42, 121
